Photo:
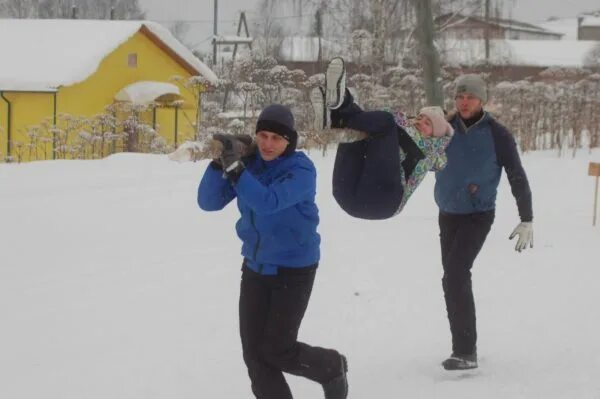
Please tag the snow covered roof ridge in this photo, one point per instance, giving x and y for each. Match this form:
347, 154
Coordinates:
504, 23
540, 53
72, 50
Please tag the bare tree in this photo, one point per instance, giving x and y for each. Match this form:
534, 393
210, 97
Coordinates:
592, 58
19, 8
92, 9
180, 29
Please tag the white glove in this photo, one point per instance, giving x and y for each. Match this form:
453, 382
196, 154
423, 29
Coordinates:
525, 232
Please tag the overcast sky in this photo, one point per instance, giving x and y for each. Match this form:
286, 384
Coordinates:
201, 12
527, 10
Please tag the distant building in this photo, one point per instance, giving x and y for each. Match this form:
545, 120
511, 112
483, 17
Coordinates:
588, 27
583, 27
78, 67
566, 26
475, 27
515, 53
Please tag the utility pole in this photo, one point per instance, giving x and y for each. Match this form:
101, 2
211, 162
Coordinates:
319, 27
430, 59
236, 42
215, 32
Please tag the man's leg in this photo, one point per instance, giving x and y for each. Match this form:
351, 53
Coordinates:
267, 382
461, 238
280, 347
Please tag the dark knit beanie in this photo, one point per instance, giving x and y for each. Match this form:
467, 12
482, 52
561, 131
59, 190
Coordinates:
278, 119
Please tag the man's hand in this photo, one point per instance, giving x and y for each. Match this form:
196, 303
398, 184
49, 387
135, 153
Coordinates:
525, 232
234, 148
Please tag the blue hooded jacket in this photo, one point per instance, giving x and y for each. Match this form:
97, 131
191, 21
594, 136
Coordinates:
476, 157
279, 216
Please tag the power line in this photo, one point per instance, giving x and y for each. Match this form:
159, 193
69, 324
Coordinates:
229, 20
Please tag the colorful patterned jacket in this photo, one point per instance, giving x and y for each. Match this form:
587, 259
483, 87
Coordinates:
434, 149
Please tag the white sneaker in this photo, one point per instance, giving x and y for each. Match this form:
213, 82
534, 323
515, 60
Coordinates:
354, 93
317, 99
335, 83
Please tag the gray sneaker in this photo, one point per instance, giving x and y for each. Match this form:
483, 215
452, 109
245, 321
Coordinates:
317, 99
335, 83
460, 362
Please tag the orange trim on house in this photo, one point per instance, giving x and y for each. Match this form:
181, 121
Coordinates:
164, 47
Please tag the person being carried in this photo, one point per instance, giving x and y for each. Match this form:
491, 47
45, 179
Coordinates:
275, 189
373, 178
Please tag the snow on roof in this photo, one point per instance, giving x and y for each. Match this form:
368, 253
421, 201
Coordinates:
306, 49
233, 39
509, 24
543, 53
166, 37
590, 20
239, 114
566, 26
145, 92
44, 54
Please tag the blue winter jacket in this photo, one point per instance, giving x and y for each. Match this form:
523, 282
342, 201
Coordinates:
279, 217
476, 156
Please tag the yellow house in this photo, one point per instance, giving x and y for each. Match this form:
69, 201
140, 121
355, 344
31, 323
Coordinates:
53, 69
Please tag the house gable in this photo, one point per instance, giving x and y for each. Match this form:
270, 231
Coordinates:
143, 56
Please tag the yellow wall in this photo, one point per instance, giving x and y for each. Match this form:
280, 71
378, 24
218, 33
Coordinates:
28, 109
90, 97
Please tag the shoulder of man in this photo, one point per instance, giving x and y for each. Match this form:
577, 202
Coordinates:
498, 129
299, 160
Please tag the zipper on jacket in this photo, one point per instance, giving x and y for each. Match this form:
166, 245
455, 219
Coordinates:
257, 235
473, 125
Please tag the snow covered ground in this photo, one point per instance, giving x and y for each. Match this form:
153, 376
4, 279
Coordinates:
114, 285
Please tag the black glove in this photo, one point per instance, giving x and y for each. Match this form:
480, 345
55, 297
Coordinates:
234, 148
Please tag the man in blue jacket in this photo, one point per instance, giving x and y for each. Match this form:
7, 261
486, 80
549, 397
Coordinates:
275, 190
465, 192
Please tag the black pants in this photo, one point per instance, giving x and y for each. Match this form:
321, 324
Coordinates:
271, 310
461, 238
366, 175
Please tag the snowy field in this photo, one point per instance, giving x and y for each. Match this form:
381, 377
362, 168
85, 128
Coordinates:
115, 285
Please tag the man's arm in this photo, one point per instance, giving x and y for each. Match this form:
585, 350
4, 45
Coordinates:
214, 192
509, 159
297, 185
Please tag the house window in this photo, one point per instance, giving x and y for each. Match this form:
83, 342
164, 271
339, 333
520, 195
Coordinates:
132, 60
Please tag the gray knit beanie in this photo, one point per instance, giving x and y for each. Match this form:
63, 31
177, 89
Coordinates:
473, 84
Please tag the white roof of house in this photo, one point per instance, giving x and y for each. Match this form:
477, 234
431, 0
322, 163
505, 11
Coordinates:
44, 54
569, 26
306, 48
543, 53
590, 20
508, 24
145, 92
566, 26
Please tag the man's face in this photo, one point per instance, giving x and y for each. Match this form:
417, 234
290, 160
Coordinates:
270, 145
468, 105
